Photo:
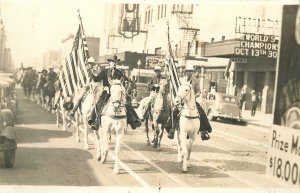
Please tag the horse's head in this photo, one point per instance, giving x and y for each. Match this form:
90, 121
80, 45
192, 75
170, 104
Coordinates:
185, 94
163, 86
118, 94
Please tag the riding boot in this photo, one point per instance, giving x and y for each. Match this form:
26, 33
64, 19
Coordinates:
91, 119
205, 126
132, 117
171, 128
98, 109
75, 107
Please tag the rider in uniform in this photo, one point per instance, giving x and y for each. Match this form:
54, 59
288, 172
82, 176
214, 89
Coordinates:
205, 126
107, 76
153, 86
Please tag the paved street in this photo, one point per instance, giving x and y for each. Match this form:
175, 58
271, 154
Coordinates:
234, 157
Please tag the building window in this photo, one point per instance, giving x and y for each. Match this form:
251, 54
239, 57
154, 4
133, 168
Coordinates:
158, 11
223, 38
165, 10
146, 14
212, 40
158, 51
151, 14
188, 49
162, 11
196, 47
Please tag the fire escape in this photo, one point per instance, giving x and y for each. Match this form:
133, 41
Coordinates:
184, 15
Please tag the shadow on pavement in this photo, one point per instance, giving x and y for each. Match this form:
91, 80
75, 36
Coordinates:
50, 166
30, 135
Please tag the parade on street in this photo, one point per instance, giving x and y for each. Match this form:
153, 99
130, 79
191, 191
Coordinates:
189, 96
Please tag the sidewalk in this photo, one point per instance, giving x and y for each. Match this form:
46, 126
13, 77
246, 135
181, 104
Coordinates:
259, 119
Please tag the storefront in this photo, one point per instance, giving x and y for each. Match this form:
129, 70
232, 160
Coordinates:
251, 69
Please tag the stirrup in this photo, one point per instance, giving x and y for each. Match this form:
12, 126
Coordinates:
205, 135
72, 113
171, 134
94, 127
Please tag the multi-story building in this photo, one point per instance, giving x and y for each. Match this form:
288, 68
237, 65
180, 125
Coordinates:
6, 63
140, 32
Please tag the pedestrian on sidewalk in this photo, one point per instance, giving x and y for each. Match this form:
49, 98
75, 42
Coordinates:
242, 98
254, 101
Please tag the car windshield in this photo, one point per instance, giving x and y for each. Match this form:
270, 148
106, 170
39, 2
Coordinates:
229, 99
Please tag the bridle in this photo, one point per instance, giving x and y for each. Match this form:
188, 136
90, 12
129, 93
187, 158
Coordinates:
187, 92
117, 102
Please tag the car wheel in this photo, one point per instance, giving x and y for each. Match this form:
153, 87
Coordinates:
9, 154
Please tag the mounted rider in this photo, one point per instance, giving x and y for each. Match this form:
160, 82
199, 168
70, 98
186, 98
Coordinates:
107, 76
205, 126
153, 86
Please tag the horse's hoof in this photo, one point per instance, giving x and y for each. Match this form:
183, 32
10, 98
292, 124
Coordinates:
86, 147
116, 171
148, 143
184, 171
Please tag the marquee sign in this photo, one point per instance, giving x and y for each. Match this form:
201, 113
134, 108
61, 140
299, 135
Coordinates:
258, 37
129, 21
257, 45
152, 61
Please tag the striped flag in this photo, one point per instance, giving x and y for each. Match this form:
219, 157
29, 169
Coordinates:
175, 83
73, 73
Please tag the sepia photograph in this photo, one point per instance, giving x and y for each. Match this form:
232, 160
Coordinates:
149, 96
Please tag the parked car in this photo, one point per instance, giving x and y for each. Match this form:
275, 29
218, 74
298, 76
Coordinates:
8, 137
221, 105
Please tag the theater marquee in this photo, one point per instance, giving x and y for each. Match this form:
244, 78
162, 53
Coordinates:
257, 45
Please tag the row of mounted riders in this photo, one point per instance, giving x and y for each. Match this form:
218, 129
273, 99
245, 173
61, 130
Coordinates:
113, 115
39, 86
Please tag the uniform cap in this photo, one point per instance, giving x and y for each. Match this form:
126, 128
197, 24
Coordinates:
189, 67
157, 68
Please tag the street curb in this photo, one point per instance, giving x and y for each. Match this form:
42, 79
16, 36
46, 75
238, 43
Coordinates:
258, 124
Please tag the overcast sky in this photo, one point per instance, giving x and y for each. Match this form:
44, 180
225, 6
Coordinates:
35, 26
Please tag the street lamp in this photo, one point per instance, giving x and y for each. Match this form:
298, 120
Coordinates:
139, 63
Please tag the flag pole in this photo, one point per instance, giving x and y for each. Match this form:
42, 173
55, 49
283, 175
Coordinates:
90, 66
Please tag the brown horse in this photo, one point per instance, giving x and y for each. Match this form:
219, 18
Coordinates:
160, 111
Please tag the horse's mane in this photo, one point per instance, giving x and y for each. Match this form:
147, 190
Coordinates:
98, 89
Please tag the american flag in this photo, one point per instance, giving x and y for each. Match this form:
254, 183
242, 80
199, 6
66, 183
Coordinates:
73, 73
175, 83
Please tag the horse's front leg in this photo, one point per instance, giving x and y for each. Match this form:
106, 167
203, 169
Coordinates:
119, 135
160, 135
147, 131
85, 133
57, 118
179, 157
104, 138
189, 150
64, 114
184, 151
77, 127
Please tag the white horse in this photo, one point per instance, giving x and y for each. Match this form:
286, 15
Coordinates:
87, 105
189, 124
113, 118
